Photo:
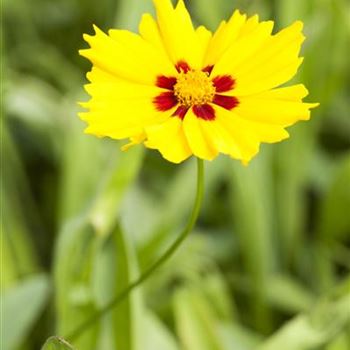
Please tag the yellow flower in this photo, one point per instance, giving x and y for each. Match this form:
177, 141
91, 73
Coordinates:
183, 91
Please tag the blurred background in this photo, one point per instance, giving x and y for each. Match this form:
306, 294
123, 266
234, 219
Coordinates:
267, 266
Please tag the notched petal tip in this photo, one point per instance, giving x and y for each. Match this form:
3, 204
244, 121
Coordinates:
284, 135
269, 24
87, 88
91, 131
171, 159
235, 15
83, 115
303, 91
83, 105
85, 53
126, 147
146, 21
134, 140
89, 76
87, 37
180, 5
97, 30
203, 29
248, 158
163, 5
90, 37
313, 105
299, 25
146, 17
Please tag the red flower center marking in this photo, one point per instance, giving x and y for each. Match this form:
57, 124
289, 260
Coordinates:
224, 83
194, 89
182, 66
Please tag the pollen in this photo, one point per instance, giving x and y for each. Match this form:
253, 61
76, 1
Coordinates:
194, 88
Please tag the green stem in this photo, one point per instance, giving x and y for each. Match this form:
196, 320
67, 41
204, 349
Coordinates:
148, 272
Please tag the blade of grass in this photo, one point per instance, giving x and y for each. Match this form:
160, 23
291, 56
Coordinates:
195, 321
308, 331
252, 209
56, 343
115, 267
74, 301
21, 306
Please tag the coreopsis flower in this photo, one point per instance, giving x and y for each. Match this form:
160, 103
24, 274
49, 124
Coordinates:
185, 91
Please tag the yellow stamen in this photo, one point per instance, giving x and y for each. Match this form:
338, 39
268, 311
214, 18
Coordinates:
194, 88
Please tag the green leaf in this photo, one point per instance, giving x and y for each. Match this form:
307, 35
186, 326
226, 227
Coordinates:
155, 335
115, 268
18, 215
237, 337
334, 219
293, 159
252, 209
75, 253
288, 294
128, 316
129, 325
21, 307
195, 321
309, 331
342, 342
217, 293
56, 343
84, 160
125, 167
203, 324
79, 242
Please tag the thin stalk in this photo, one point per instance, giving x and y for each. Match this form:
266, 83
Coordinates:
148, 272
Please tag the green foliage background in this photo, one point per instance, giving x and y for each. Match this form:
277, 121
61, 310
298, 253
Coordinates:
267, 267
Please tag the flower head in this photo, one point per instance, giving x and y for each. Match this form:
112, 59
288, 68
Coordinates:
185, 91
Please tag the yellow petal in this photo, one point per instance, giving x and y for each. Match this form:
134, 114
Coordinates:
115, 129
249, 26
120, 109
266, 80
114, 126
149, 31
204, 37
247, 145
225, 36
246, 135
179, 36
153, 59
111, 91
288, 93
169, 138
98, 75
277, 58
197, 137
133, 112
242, 49
134, 140
273, 110
119, 54
219, 135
